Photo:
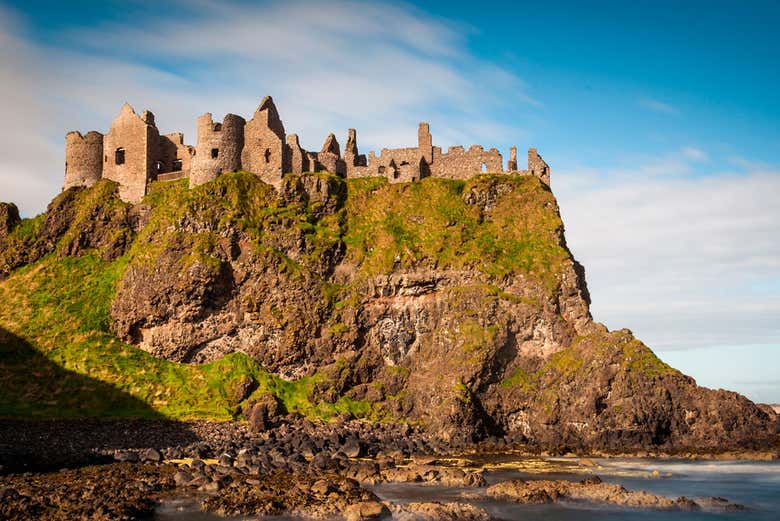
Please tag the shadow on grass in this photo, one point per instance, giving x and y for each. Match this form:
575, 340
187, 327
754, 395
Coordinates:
52, 417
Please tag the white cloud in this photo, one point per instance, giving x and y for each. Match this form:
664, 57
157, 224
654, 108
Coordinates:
683, 261
695, 154
659, 106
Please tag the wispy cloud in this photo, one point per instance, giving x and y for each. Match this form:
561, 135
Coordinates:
343, 68
659, 106
695, 154
684, 260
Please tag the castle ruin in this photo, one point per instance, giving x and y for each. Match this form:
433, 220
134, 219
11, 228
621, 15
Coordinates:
134, 154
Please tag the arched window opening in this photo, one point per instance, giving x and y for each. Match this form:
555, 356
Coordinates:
267, 155
176, 166
119, 156
484, 167
214, 153
158, 166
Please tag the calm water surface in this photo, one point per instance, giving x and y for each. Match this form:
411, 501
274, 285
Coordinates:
754, 484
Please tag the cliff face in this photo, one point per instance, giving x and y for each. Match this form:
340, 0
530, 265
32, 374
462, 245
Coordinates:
452, 303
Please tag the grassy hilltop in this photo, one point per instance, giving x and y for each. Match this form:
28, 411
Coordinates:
60, 359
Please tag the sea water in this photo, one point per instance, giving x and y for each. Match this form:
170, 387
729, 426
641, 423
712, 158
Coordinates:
756, 485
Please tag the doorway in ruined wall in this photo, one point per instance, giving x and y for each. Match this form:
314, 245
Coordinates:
425, 169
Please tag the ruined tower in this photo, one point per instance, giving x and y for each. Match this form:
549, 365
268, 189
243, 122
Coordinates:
298, 158
329, 158
264, 144
219, 148
130, 149
425, 142
511, 165
537, 166
83, 159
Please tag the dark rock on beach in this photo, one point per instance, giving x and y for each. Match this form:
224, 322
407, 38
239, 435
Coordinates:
108, 492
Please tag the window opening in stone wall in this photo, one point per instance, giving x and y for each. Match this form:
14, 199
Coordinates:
214, 153
267, 155
158, 166
484, 167
176, 166
381, 170
119, 156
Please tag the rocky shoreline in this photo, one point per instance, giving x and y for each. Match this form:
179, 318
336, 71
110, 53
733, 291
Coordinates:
122, 469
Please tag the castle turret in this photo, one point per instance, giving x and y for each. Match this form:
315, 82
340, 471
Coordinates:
351, 149
218, 149
425, 142
511, 165
83, 159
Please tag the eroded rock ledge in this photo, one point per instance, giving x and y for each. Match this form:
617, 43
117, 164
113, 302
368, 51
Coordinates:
594, 490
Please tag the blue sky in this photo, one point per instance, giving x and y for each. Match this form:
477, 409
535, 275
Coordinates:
660, 120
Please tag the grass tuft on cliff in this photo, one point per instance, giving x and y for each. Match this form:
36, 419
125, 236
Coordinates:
441, 224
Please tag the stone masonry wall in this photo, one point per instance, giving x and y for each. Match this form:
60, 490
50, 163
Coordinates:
83, 159
219, 148
133, 154
174, 155
129, 149
458, 163
264, 137
329, 158
297, 156
538, 167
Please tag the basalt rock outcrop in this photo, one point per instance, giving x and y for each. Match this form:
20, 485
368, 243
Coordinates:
9, 218
594, 490
452, 303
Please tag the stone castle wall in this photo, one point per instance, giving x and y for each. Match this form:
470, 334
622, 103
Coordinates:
133, 153
130, 149
264, 144
219, 148
174, 156
83, 159
297, 156
458, 163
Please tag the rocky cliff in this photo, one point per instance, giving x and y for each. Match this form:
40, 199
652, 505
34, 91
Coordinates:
454, 304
